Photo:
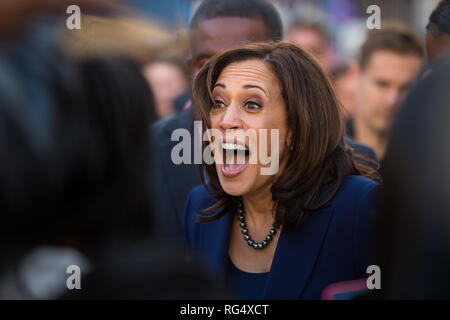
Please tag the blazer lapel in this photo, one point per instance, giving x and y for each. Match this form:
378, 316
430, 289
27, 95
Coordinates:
215, 245
295, 257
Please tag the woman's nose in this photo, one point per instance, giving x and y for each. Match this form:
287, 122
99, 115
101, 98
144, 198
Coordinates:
231, 119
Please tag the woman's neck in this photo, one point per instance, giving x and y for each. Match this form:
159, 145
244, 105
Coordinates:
259, 207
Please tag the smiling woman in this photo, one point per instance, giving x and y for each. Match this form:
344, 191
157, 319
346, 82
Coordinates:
286, 216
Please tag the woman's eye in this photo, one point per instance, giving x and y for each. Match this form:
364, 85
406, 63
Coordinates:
218, 104
252, 105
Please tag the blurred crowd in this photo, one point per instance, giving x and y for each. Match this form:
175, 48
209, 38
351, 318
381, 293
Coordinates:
86, 123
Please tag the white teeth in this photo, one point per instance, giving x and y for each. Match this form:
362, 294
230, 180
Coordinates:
227, 168
233, 146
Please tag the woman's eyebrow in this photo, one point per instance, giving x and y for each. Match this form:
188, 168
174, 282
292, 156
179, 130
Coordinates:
247, 86
250, 86
220, 85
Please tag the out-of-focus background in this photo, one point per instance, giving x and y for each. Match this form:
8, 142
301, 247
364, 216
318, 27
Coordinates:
86, 116
343, 21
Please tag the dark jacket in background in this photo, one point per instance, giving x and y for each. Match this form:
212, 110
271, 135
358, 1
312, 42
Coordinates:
171, 183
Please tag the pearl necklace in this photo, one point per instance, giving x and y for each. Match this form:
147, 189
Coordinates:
244, 231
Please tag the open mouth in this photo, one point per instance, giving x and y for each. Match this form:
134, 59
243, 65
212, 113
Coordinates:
236, 158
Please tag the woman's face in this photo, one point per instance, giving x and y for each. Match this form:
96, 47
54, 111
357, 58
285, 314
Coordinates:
247, 98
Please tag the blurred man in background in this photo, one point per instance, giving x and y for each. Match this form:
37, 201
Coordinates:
438, 32
345, 79
390, 62
168, 79
313, 37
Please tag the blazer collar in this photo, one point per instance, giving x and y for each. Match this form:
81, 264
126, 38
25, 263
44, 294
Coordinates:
295, 257
218, 246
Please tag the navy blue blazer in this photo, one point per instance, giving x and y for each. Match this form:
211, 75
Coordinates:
333, 244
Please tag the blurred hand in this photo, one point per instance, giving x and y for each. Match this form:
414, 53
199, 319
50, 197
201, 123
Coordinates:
16, 14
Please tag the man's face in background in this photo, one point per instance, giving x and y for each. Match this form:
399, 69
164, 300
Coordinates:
315, 43
383, 84
212, 36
